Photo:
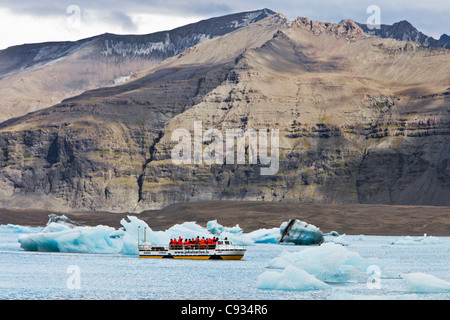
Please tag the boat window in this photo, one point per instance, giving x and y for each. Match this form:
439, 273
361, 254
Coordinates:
227, 242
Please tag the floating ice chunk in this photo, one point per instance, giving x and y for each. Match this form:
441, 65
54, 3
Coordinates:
56, 227
425, 283
63, 235
76, 240
215, 228
299, 232
242, 239
265, 235
332, 233
133, 230
339, 240
23, 229
419, 240
291, 278
328, 262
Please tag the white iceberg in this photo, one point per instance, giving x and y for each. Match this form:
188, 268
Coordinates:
425, 283
329, 262
339, 239
215, 228
416, 241
22, 229
291, 278
265, 235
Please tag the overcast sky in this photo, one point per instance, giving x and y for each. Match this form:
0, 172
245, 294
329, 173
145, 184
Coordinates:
30, 21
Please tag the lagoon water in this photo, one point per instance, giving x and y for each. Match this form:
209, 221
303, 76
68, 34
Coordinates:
55, 275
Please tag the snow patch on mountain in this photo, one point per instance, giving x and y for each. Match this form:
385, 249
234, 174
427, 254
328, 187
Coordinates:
122, 48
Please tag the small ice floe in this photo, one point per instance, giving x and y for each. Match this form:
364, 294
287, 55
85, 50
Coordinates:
425, 283
417, 240
327, 263
291, 278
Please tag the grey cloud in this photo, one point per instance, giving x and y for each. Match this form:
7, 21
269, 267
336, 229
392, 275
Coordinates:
430, 18
124, 20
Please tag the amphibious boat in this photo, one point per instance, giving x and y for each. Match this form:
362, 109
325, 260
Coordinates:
223, 250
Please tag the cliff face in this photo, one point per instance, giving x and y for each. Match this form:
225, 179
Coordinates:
360, 120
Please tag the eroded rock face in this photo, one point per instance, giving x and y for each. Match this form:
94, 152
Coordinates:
360, 120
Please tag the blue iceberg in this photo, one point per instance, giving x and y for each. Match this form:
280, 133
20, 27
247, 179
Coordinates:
299, 232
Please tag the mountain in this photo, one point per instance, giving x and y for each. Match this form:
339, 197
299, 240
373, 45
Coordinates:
36, 76
361, 120
445, 38
405, 31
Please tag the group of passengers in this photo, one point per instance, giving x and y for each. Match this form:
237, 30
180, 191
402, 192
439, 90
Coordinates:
193, 243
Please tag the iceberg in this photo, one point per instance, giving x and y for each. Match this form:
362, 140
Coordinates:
265, 235
235, 234
64, 235
329, 262
291, 278
215, 228
425, 283
419, 240
22, 229
299, 232
340, 239
74, 240
188, 230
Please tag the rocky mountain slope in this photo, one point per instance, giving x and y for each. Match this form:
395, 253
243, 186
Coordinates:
361, 120
36, 76
445, 38
405, 31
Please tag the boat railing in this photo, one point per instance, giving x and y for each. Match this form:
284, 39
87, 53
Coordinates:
152, 247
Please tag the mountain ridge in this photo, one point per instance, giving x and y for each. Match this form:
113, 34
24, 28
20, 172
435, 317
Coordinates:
36, 76
361, 119
404, 31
